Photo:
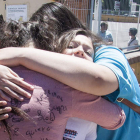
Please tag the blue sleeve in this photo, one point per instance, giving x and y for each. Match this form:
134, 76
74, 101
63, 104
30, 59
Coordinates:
115, 60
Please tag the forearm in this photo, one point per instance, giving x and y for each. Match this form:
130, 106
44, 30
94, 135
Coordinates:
78, 73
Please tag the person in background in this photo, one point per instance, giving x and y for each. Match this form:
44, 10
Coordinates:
105, 34
133, 39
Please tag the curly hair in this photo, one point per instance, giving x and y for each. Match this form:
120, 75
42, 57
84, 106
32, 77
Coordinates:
16, 34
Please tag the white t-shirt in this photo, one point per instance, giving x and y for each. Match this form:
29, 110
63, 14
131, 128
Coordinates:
78, 129
132, 42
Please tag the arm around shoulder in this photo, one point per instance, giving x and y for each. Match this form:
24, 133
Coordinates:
78, 73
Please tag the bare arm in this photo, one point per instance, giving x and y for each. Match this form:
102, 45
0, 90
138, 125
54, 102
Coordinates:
76, 72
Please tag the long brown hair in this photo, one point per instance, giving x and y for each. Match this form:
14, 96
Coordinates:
65, 19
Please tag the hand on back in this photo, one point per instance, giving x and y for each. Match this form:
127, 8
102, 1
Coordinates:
10, 84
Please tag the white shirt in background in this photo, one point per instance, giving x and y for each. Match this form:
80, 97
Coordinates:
78, 129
